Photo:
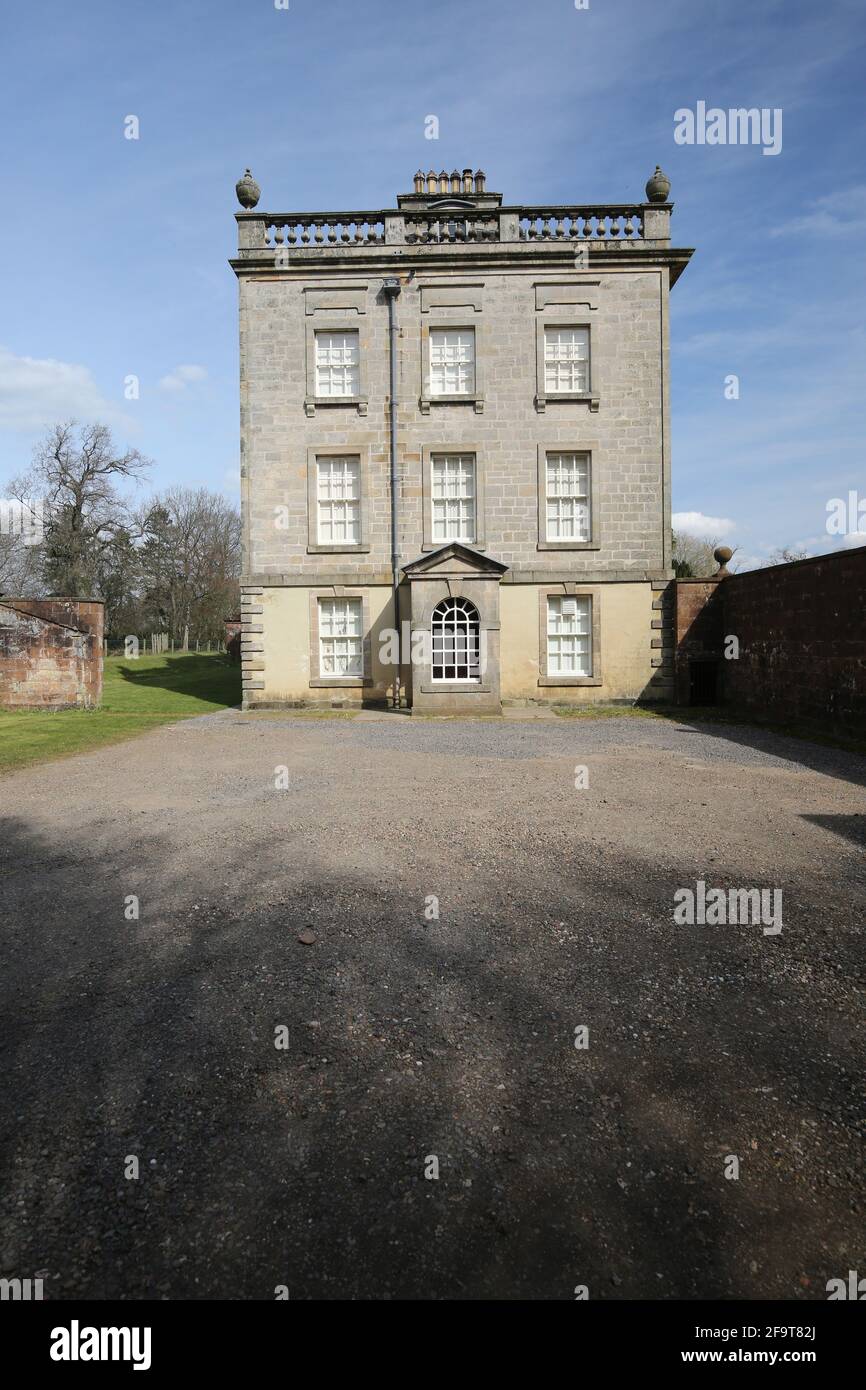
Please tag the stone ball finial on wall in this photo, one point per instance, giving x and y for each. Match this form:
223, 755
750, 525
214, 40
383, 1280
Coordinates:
722, 554
658, 186
248, 191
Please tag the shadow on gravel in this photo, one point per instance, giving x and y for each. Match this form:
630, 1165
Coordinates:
827, 759
407, 1039
848, 827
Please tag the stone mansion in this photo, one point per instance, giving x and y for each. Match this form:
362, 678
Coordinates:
455, 450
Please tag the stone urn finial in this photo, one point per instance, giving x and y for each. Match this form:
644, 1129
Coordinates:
658, 186
722, 554
248, 191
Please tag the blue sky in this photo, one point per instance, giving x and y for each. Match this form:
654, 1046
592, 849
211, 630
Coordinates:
115, 251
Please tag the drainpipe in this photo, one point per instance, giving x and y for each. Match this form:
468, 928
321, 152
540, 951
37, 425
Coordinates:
391, 288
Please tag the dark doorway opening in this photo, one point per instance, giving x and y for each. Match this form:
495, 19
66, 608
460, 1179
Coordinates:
703, 682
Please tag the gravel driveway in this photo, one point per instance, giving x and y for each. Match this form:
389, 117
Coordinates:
415, 1040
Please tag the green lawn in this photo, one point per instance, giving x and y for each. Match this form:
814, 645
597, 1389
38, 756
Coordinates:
138, 695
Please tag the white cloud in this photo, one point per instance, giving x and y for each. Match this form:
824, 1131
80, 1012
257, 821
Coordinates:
836, 214
706, 527
181, 377
744, 561
36, 392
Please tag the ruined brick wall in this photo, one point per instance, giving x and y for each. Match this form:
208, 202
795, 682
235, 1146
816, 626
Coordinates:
801, 631
50, 653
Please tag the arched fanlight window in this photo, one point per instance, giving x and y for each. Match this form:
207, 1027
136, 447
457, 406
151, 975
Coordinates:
456, 633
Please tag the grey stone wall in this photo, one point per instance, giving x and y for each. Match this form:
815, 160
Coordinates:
625, 434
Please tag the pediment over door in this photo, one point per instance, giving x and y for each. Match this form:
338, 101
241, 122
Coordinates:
455, 558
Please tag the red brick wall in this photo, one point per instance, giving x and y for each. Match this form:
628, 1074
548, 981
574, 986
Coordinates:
802, 634
697, 629
801, 629
50, 653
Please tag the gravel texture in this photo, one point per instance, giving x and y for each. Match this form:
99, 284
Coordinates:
411, 1036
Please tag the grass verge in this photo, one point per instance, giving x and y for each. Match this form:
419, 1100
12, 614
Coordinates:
137, 696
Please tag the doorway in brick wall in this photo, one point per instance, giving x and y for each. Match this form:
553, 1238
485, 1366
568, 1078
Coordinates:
703, 682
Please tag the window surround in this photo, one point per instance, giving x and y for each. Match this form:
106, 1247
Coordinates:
317, 680
440, 324
593, 593
362, 453
427, 453
544, 323
589, 447
325, 323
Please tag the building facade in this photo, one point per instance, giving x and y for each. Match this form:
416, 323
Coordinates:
455, 465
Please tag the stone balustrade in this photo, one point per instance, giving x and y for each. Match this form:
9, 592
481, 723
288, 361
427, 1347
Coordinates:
596, 224
607, 223
323, 229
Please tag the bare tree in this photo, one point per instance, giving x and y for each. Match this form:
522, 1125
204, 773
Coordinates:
784, 555
75, 471
20, 567
693, 556
21, 542
191, 562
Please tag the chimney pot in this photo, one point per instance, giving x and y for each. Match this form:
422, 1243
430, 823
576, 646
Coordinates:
480, 178
467, 180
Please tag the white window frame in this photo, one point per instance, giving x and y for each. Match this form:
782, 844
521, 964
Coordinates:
452, 363
585, 449
559, 362
344, 370
462, 501
568, 494
341, 637
569, 636
338, 499
463, 628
